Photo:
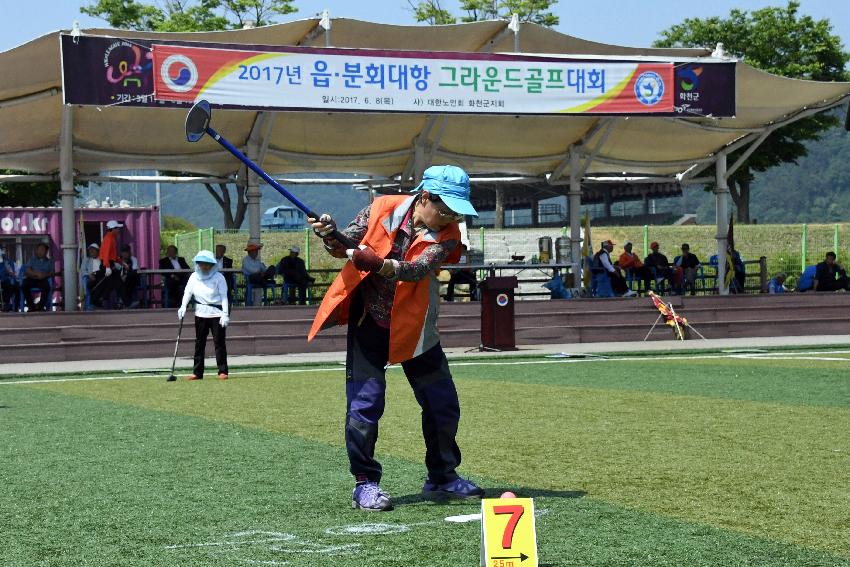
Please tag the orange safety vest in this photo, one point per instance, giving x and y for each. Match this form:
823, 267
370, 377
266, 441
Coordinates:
413, 322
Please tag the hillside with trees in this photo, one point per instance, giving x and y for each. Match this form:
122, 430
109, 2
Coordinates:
815, 189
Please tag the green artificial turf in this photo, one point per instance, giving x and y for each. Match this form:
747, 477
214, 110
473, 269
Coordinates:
652, 462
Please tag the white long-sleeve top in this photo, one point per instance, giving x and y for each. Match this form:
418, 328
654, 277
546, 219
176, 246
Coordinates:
207, 292
89, 266
605, 260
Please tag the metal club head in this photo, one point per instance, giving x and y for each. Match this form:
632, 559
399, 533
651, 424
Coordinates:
171, 378
198, 120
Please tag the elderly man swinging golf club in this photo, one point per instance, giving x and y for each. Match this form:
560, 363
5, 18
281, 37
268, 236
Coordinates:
389, 297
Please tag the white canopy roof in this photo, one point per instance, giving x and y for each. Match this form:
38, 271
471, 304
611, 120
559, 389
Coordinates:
113, 138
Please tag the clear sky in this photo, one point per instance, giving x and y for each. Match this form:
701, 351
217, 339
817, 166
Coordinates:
625, 22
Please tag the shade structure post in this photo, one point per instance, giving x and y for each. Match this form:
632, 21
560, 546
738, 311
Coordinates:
499, 215
575, 216
69, 222
515, 27
253, 197
721, 200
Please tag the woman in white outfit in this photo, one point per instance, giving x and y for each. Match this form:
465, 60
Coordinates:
209, 289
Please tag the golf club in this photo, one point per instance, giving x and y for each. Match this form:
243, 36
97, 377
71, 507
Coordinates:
198, 124
172, 377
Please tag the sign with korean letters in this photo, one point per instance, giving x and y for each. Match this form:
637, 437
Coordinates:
399, 81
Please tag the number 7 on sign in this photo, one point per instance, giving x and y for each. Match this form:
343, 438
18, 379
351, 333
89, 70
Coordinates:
516, 513
508, 536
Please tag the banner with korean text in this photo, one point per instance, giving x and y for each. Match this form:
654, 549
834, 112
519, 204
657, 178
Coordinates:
114, 71
398, 82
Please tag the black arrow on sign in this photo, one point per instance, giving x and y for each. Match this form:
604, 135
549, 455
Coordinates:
522, 557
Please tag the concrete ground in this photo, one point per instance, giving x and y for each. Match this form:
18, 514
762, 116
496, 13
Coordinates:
183, 363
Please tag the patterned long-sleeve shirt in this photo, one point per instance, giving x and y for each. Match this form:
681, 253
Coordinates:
377, 291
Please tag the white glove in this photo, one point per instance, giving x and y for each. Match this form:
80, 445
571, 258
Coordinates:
324, 226
350, 251
108, 272
181, 312
224, 320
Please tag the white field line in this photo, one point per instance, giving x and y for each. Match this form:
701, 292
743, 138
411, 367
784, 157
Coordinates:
767, 356
796, 352
158, 375
228, 543
826, 358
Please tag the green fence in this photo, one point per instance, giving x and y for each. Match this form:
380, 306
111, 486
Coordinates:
190, 243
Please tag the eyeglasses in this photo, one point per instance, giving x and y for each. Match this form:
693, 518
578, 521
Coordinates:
447, 214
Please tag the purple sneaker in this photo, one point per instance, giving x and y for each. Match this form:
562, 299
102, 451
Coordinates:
457, 488
369, 496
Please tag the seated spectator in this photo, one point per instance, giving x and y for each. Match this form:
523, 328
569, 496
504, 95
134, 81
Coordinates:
295, 275
225, 263
253, 268
602, 259
129, 273
174, 283
630, 262
37, 274
8, 281
806, 281
688, 263
829, 275
659, 262
462, 276
777, 284
91, 273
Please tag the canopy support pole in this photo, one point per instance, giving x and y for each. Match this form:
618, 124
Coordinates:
721, 200
69, 223
515, 27
256, 149
499, 213
607, 125
749, 151
423, 150
574, 197
253, 197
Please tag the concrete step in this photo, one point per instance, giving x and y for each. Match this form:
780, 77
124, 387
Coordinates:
554, 334
146, 328
277, 330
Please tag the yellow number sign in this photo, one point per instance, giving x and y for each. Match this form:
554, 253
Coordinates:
508, 535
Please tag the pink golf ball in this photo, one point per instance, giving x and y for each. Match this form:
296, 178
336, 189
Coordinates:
508, 495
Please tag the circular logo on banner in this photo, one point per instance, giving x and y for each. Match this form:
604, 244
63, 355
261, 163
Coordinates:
649, 88
185, 77
690, 78
502, 299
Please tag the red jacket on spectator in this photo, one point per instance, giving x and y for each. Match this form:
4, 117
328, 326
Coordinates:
109, 249
629, 261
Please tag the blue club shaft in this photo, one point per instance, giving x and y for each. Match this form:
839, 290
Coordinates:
268, 179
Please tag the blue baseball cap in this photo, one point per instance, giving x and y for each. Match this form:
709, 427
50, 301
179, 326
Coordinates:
451, 184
